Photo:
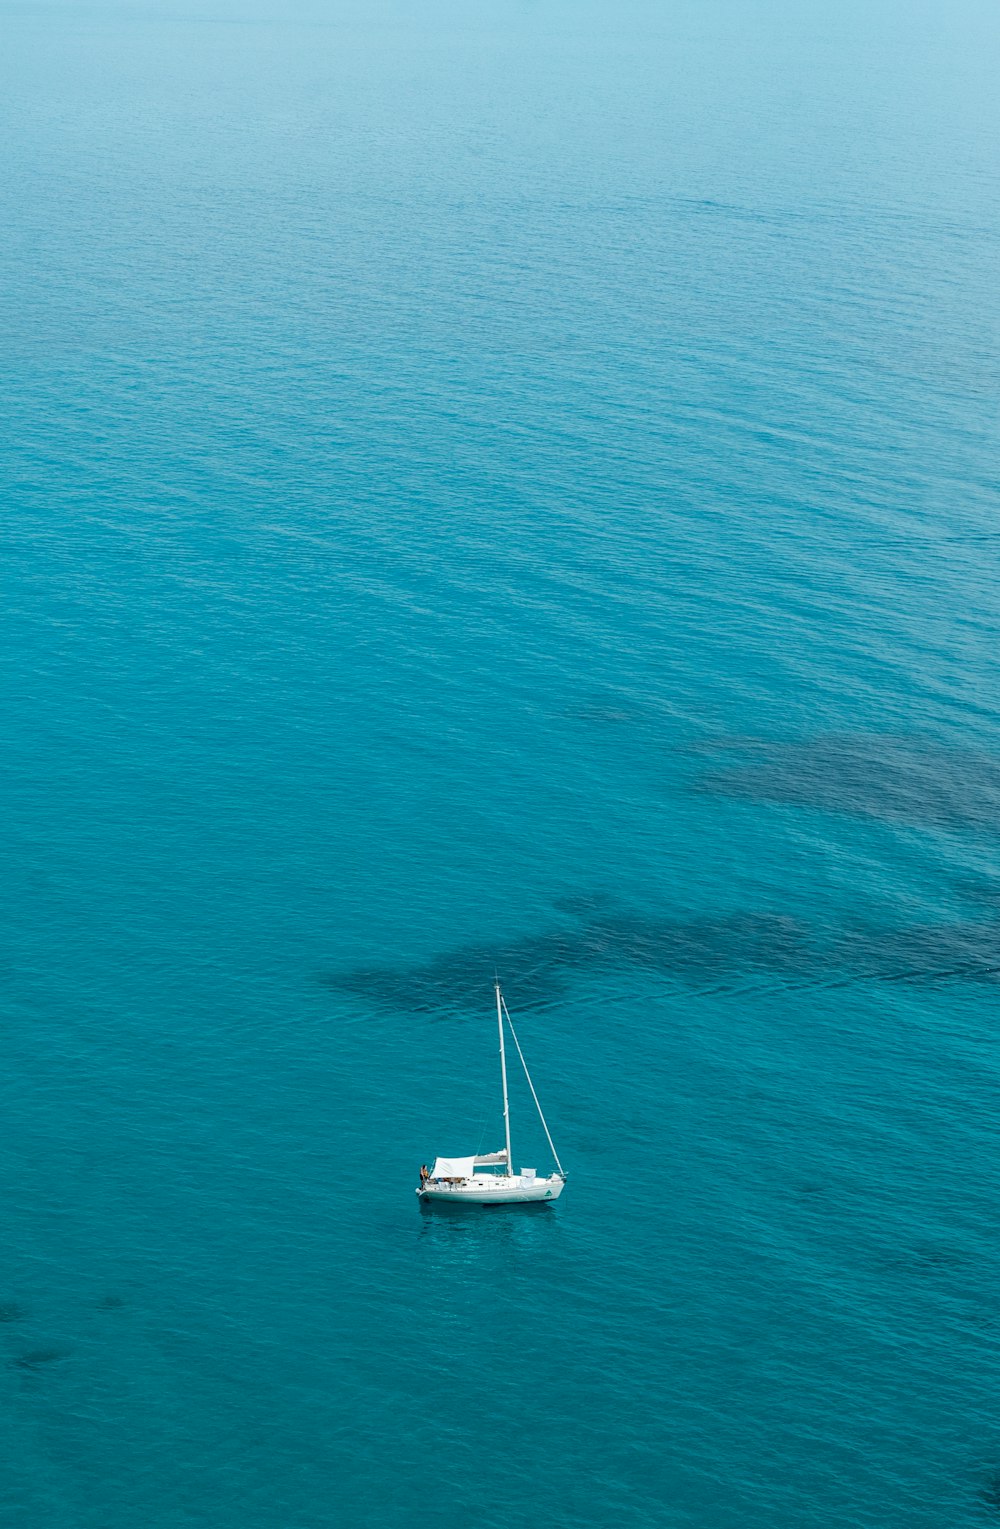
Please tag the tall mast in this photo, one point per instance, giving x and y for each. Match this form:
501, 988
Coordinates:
503, 1079
538, 1107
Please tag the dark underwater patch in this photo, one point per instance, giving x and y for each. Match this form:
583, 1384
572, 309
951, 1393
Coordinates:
701, 949
12, 1311
37, 1358
980, 889
899, 779
968, 949
533, 970
926, 1258
990, 1490
537, 968
710, 954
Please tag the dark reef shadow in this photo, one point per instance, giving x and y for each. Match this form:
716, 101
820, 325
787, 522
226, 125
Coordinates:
537, 968
727, 953
897, 778
36, 1358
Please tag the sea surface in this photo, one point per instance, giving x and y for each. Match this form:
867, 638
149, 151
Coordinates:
500, 485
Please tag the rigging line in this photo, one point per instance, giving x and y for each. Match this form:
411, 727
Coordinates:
534, 1096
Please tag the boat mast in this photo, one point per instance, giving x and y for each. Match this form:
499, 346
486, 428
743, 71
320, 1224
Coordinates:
503, 1079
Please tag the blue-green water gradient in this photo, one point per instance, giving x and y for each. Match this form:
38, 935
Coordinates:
500, 486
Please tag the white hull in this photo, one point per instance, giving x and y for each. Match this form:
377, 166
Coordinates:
494, 1189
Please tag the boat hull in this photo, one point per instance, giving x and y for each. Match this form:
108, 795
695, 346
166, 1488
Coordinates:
487, 1189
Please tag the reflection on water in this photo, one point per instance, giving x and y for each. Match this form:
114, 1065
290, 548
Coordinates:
483, 1236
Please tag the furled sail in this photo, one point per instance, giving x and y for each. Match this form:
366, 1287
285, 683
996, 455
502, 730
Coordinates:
490, 1157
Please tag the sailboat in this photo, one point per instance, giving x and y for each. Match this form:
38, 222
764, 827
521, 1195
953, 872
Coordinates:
489, 1178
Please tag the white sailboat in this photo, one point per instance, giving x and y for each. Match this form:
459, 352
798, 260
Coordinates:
476, 1180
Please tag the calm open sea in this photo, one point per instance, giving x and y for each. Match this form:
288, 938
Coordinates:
500, 485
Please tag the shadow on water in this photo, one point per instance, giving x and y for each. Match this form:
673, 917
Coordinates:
536, 964
36, 1358
465, 1216
733, 952
485, 1237
900, 779
989, 1491
540, 966
910, 780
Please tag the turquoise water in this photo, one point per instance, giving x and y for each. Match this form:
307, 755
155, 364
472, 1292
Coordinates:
500, 486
